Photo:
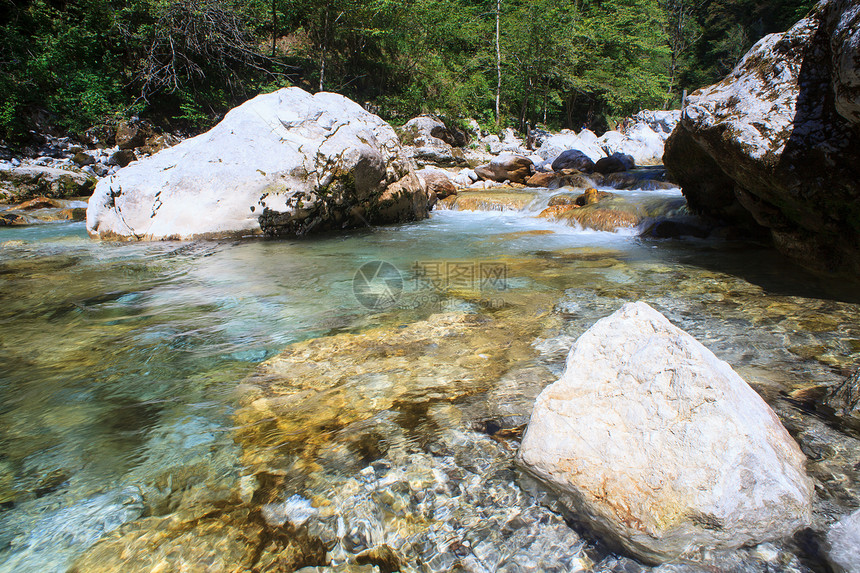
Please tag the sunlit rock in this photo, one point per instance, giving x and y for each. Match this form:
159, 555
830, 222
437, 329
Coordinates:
513, 168
557, 144
638, 141
283, 163
844, 539
776, 144
661, 122
662, 446
438, 183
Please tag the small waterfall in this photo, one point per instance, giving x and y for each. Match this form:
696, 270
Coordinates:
609, 209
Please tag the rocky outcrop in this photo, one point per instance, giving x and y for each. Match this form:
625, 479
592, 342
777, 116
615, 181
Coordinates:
777, 143
284, 163
661, 446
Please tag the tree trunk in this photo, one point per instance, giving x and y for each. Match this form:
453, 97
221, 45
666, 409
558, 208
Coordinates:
498, 60
274, 26
545, 90
672, 68
322, 52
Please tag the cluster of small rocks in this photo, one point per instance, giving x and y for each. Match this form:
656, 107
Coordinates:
452, 158
62, 167
92, 155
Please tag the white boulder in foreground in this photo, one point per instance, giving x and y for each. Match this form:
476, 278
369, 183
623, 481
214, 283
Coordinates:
662, 446
283, 163
844, 539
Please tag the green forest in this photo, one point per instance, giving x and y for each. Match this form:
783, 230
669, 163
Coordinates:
181, 64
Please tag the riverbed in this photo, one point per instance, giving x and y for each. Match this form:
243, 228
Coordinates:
358, 398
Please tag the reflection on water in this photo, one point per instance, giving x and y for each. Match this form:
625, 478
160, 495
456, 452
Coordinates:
132, 390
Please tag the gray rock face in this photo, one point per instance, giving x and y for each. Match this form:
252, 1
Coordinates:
778, 141
284, 163
662, 446
573, 159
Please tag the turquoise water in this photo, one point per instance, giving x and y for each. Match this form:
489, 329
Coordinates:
119, 362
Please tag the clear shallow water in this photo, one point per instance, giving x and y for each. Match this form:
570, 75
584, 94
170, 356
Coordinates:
120, 363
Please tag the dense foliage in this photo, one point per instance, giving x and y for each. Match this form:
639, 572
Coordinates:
182, 63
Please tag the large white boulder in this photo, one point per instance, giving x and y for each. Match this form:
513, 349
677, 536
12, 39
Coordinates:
286, 163
639, 141
425, 131
662, 446
434, 143
844, 540
588, 144
661, 122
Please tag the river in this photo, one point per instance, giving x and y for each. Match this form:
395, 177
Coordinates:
376, 413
